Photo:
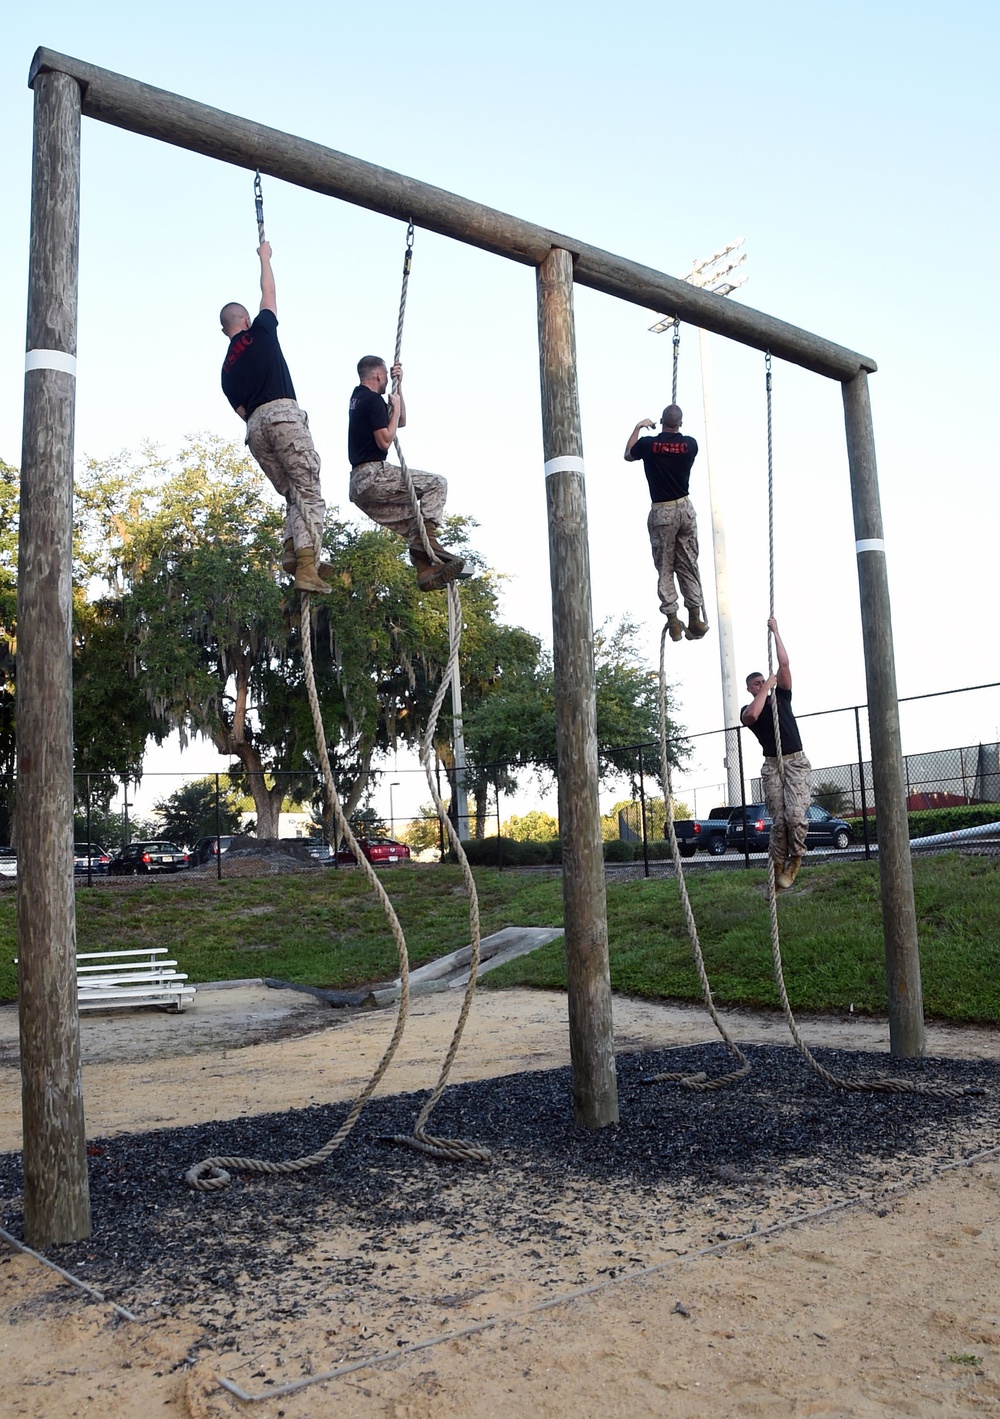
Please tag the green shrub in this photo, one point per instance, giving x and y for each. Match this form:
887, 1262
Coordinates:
617, 850
659, 849
532, 854
490, 852
555, 851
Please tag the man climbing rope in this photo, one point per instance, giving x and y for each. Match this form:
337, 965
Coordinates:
673, 528
256, 382
379, 488
787, 799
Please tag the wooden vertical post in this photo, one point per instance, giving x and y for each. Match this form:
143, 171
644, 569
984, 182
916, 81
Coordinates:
56, 1191
591, 1032
899, 918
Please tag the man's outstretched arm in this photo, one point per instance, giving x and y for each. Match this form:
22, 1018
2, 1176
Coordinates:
268, 299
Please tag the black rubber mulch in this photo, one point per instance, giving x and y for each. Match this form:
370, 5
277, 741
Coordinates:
730, 1154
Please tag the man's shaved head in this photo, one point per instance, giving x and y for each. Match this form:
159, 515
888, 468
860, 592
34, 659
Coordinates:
232, 317
370, 364
672, 416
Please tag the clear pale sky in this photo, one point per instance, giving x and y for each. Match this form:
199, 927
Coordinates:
853, 146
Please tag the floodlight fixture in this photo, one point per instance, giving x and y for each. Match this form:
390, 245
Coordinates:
711, 274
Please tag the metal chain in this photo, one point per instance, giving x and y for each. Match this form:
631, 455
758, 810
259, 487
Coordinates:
258, 196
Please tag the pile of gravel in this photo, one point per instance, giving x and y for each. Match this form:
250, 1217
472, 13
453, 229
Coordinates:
265, 855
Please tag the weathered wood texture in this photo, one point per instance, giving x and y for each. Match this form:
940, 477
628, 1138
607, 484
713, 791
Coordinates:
591, 1029
170, 118
56, 1192
899, 920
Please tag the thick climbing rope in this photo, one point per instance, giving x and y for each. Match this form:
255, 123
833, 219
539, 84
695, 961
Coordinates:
214, 1174
836, 1081
699, 1082
452, 1149
408, 480
677, 356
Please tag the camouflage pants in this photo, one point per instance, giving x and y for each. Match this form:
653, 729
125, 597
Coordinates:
673, 536
787, 804
279, 438
379, 489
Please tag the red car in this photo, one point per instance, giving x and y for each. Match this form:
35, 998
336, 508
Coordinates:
379, 851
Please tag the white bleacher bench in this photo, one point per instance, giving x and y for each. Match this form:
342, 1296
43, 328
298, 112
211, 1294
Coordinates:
106, 980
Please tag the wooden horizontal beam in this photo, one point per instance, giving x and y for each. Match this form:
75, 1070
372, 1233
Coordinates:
170, 118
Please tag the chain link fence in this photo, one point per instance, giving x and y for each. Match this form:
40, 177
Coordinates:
215, 819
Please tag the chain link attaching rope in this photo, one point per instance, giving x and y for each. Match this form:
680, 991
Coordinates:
258, 196
857, 1086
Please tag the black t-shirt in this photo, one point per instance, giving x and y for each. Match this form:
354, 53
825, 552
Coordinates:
254, 370
763, 726
667, 459
367, 412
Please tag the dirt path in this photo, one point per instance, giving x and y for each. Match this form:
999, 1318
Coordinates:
890, 1306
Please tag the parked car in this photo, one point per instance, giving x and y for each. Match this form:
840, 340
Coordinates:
208, 849
92, 855
702, 834
8, 862
144, 857
822, 828
379, 851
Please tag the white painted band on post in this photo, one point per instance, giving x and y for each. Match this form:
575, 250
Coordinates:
870, 544
567, 464
50, 360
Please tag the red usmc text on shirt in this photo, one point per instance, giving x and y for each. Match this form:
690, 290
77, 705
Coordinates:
236, 349
659, 446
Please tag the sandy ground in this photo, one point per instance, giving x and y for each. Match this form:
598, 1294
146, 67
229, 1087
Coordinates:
887, 1306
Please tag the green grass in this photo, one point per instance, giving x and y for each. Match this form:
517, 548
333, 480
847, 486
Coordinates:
328, 930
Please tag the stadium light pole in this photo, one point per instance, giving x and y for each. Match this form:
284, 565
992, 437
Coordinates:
720, 274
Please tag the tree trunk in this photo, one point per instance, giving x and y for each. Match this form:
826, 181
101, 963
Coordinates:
266, 801
482, 808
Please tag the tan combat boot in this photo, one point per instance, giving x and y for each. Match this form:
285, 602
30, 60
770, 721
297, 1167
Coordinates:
433, 576
696, 627
792, 869
675, 626
289, 562
782, 878
306, 578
